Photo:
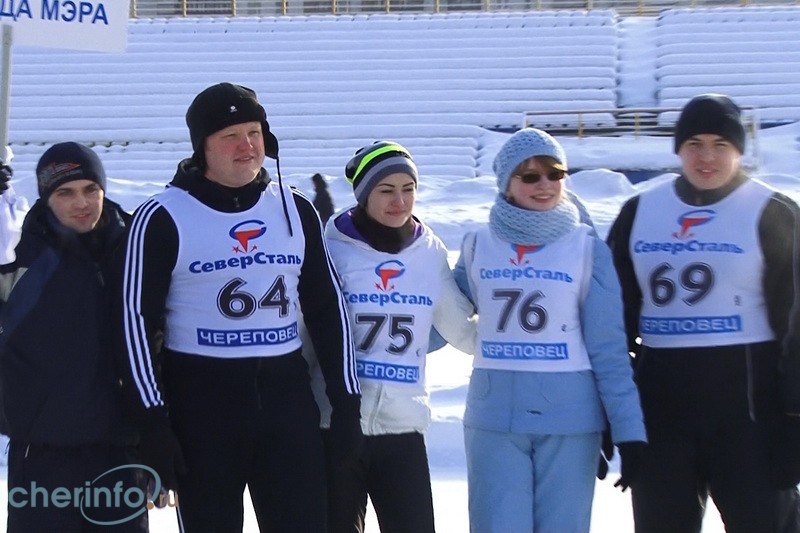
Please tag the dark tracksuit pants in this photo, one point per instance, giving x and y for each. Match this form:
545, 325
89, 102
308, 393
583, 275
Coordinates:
43, 481
680, 470
393, 470
709, 413
247, 422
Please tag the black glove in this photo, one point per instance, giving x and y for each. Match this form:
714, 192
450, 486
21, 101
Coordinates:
606, 454
5, 176
159, 449
630, 456
346, 438
785, 452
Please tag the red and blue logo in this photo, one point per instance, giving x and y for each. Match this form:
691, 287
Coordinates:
521, 250
244, 233
387, 271
693, 219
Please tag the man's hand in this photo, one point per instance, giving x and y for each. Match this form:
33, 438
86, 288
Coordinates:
160, 450
785, 452
346, 438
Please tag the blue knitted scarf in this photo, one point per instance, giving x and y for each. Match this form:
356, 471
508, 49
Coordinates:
524, 226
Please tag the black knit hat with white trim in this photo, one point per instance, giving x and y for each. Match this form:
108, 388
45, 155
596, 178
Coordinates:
223, 105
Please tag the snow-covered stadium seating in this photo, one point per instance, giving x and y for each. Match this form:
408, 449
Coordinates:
750, 53
329, 84
431, 81
324, 71
445, 151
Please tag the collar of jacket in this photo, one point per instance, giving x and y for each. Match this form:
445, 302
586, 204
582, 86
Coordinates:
191, 178
697, 197
357, 224
41, 223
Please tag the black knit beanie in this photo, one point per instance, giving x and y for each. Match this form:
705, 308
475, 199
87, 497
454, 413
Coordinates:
711, 113
223, 105
65, 162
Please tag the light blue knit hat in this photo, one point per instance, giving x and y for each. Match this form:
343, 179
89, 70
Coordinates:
524, 144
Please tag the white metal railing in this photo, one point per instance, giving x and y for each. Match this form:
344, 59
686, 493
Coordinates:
635, 121
187, 8
632, 122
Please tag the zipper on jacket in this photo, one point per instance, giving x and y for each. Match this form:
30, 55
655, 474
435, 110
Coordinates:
750, 401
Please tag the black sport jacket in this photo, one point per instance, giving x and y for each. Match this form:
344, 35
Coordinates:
319, 294
740, 379
59, 381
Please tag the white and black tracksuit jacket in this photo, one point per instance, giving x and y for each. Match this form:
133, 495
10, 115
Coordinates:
152, 255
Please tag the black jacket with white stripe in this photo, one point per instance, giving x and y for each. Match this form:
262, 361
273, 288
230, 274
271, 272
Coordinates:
146, 284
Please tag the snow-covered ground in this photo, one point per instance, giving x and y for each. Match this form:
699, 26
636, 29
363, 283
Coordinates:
454, 204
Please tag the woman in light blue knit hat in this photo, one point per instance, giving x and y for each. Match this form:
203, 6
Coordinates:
551, 364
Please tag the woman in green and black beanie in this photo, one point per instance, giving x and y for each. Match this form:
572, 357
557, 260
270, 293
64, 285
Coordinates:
397, 285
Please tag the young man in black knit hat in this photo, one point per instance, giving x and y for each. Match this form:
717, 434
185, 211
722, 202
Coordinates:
710, 274
62, 401
219, 264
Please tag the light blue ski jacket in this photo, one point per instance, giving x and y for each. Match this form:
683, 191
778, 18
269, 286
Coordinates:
564, 402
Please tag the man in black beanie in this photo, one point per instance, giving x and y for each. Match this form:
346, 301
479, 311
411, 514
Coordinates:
206, 116
710, 276
60, 386
711, 113
219, 264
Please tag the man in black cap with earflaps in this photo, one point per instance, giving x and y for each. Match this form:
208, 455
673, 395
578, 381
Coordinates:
710, 274
62, 403
219, 264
